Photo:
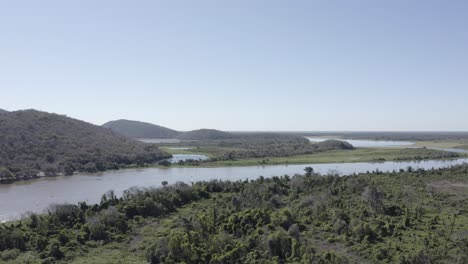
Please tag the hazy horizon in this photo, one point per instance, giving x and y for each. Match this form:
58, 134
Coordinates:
279, 131
243, 66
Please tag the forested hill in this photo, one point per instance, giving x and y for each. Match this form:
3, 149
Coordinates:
137, 129
3, 111
233, 145
34, 143
206, 134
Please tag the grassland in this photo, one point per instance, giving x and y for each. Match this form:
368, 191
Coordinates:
339, 156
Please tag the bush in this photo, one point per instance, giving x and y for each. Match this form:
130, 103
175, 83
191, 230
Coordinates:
55, 251
10, 254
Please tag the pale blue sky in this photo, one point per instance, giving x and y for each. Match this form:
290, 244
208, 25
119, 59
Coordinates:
240, 65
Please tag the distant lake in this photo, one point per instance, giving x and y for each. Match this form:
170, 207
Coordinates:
382, 144
366, 143
36, 195
181, 148
178, 157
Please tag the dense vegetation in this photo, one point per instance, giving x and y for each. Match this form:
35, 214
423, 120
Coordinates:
222, 146
262, 146
136, 129
334, 156
411, 216
428, 154
34, 143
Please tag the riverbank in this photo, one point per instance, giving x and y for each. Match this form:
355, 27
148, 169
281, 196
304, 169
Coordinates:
37, 195
338, 156
363, 218
10, 180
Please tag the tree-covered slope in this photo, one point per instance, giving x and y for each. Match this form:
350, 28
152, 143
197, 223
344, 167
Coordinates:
137, 129
34, 143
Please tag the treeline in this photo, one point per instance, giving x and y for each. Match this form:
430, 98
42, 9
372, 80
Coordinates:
398, 217
261, 146
222, 145
34, 143
427, 154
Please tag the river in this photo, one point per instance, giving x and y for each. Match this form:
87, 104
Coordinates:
36, 195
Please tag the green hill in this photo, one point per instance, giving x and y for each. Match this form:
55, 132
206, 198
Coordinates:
137, 129
206, 134
222, 146
36, 143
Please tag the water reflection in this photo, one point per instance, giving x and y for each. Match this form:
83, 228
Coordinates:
36, 195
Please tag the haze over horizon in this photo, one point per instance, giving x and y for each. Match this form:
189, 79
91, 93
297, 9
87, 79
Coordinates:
295, 66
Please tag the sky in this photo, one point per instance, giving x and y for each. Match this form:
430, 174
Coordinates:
240, 65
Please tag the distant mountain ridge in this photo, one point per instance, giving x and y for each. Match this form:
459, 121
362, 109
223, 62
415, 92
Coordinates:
34, 143
206, 134
140, 130
137, 129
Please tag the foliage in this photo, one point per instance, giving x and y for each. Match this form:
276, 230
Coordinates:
34, 143
411, 216
262, 146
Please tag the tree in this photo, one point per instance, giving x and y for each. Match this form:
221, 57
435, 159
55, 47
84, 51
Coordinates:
374, 198
165, 163
5, 173
54, 250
